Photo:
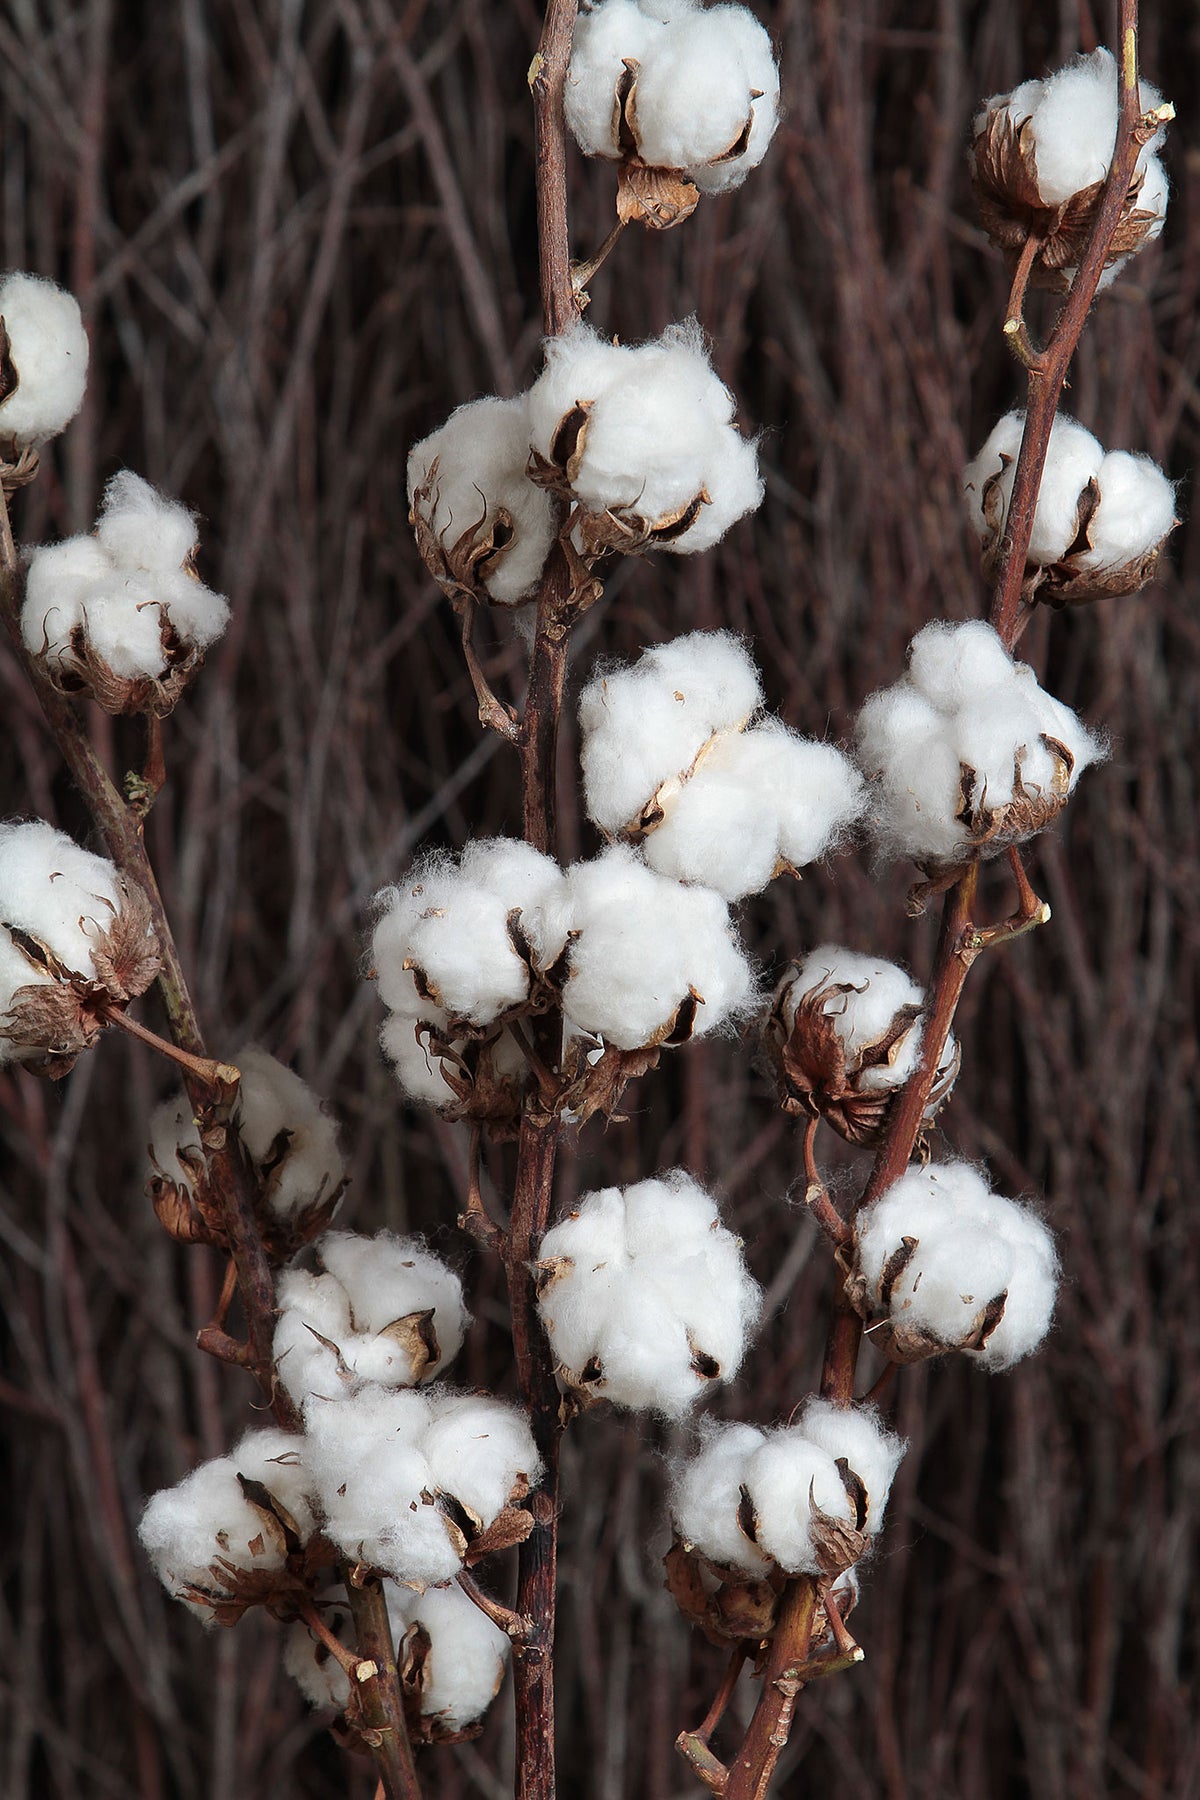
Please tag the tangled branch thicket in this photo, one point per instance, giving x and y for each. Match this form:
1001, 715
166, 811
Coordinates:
300, 236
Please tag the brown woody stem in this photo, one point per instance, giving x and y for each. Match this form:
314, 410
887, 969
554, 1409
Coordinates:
380, 1709
202, 1068
513, 1624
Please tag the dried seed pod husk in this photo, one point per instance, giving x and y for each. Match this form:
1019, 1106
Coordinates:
459, 565
728, 1605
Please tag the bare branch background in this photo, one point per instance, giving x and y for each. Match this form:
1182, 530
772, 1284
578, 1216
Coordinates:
301, 233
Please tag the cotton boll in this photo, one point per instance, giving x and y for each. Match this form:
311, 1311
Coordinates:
280, 1120
143, 529
59, 578
370, 1475
902, 744
645, 723
645, 946
1136, 511
581, 368
734, 488
456, 934
467, 1657
480, 455
1073, 458
479, 1450
523, 880
787, 1479
314, 1669
856, 1433
1032, 1288
1002, 445
48, 350
706, 1496
605, 36
64, 896
123, 624
1074, 125
708, 87
954, 664
871, 994
950, 1281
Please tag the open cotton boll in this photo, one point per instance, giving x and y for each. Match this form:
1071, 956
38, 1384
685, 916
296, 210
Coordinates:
383, 1310
857, 1434
1135, 512
47, 356
371, 1474
63, 895
605, 36
646, 723
206, 1531
651, 959
472, 499
281, 1122
123, 626
902, 744
705, 98
479, 1450
1073, 125
706, 1494
467, 1657
1073, 458
59, 578
869, 995
789, 1479
645, 1295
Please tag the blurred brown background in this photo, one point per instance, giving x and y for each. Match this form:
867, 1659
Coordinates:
301, 233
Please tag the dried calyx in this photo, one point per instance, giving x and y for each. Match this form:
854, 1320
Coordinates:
844, 1035
1040, 159
76, 945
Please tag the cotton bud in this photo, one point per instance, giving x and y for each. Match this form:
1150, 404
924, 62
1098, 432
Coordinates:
967, 753
450, 1657
43, 361
1040, 159
943, 1264
1101, 519
845, 1035
381, 1309
669, 759
685, 97
645, 1296
649, 962
121, 615
483, 528
76, 944
642, 440
412, 1480
233, 1532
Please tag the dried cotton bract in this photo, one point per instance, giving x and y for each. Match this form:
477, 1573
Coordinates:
43, 360
1040, 158
76, 942
671, 86
222, 1539
967, 753
845, 1034
450, 1657
407, 1479
669, 758
944, 1264
643, 440
382, 1309
1101, 519
121, 615
645, 1296
483, 528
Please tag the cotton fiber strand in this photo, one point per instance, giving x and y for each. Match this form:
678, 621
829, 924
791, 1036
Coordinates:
195, 1530
381, 1309
468, 477
47, 352
645, 1295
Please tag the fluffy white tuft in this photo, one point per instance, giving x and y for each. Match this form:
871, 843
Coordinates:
48, 349
282, 1123
1134, 515
1073, 458
706, 1495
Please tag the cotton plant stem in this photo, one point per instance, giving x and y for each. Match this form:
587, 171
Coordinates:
958, 941
120, 826
380, 1709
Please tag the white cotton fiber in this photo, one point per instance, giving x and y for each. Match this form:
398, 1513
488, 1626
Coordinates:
280, 1121
871, 994
706, 1494
366, 1289
644, 946
649, 1300
56, 587
789, 1479
646, 723
380, 1458
207, 1520
175, 1142
708, 87
659, 433
758, 799
48, 348
1073, 124
417, 1067
948, 744
605, 36
970, 1248
1073, 458
1136, 511
480, 455
143, 529
871, 1451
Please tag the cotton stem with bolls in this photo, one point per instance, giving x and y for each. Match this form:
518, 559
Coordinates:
120, 824
961, 939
